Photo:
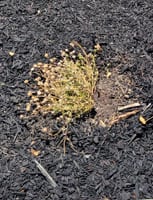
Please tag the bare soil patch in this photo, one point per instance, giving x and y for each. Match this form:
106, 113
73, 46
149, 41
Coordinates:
112, 92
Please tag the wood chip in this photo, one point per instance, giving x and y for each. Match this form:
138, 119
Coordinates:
124, 116
133, 105
45, 173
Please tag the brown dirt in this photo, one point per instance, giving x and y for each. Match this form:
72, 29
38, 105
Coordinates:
113, 91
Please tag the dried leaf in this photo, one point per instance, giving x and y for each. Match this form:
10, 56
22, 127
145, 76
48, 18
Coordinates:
35, 152
44, 129
98, 47
11, 53
142, 120
26, 81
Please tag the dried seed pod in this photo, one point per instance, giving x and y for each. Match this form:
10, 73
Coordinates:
28, 107
39, 63
44, 129
39, 92
29, 93
46, 55
26, 81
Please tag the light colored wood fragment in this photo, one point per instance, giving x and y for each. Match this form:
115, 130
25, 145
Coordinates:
133, 105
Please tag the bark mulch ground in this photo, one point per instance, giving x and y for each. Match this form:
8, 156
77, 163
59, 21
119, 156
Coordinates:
113, 163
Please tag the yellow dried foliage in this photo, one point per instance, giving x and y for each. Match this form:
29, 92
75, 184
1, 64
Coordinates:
65, 86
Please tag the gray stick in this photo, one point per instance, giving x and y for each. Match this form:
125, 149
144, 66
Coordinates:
45, 173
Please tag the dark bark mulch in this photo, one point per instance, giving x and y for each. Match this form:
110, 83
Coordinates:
110, 165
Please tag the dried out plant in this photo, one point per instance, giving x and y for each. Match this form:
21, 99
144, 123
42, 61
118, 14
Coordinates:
64, 86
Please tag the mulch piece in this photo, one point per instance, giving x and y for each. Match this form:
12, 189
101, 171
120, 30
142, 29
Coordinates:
109, 165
